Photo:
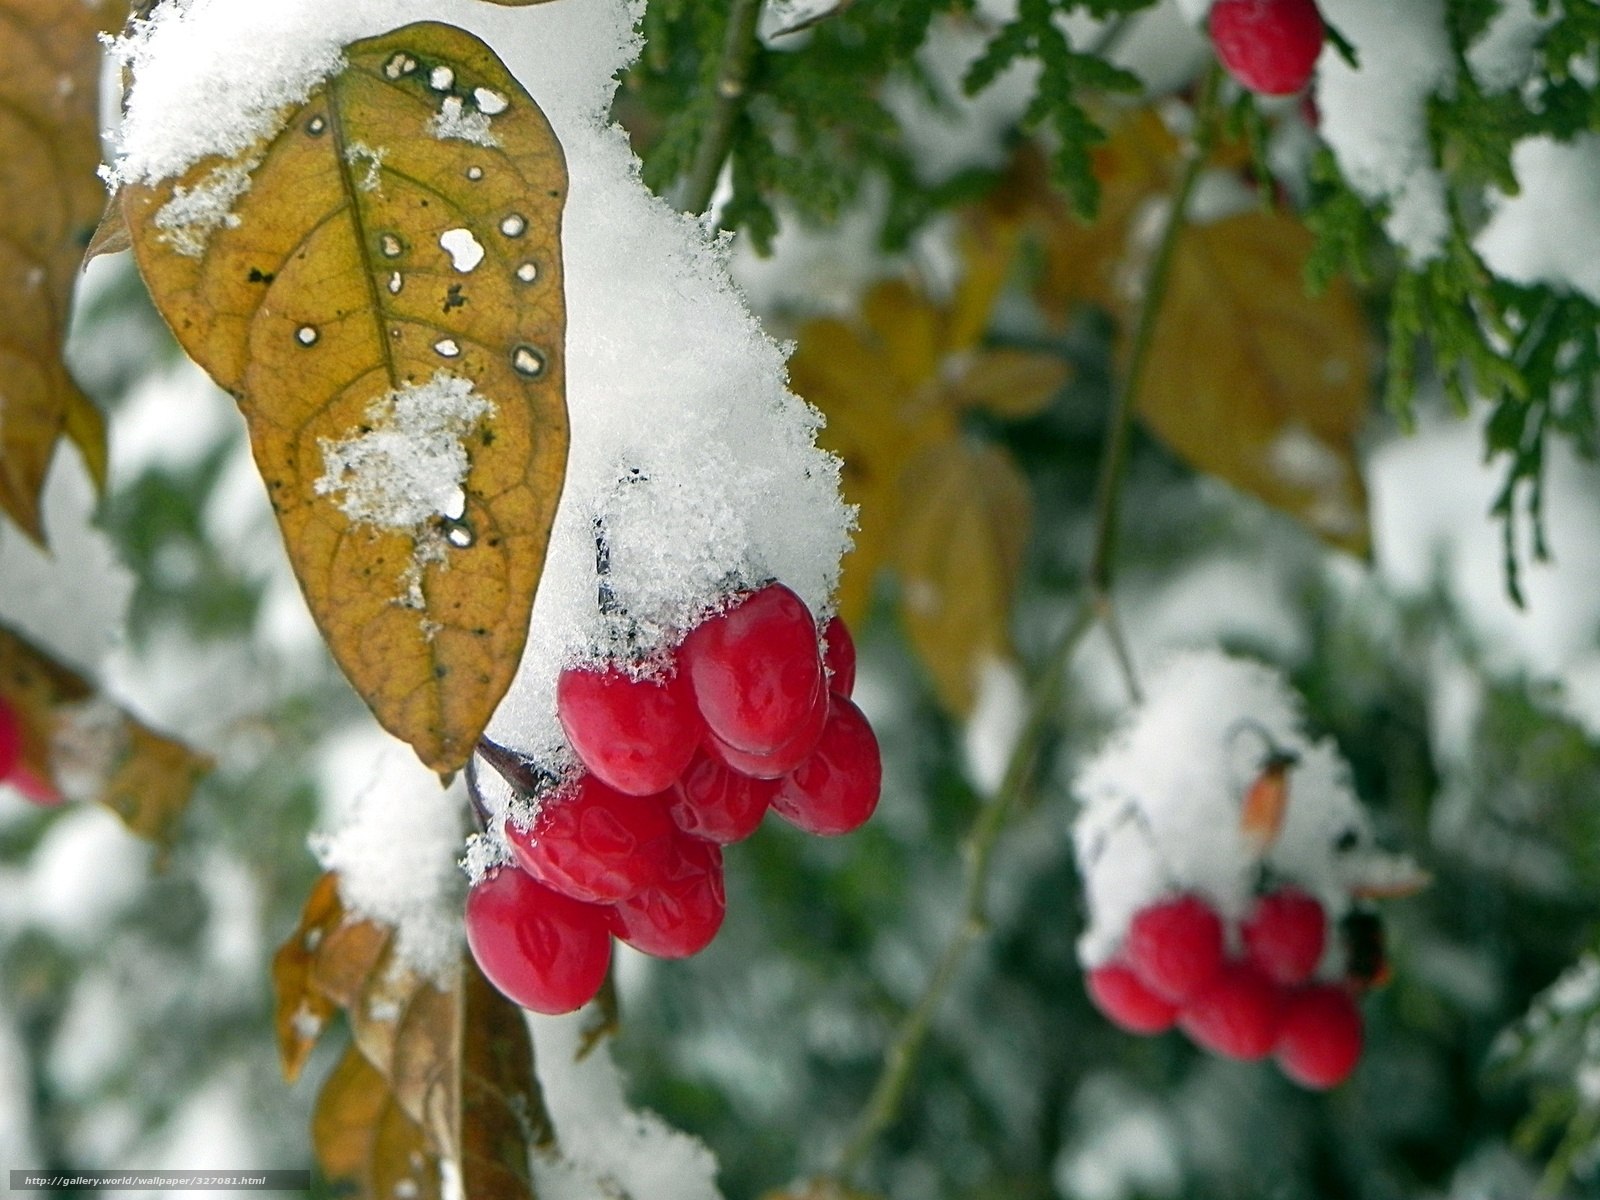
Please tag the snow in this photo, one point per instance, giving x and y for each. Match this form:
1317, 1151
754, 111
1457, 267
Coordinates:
394, 844
1161, 800
1375, 118
86, 870
688, 453
409, 464
996, 723
1505, 54
1530, 237
607, 1148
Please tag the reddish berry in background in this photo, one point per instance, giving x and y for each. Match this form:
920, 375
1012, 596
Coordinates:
541, 949
1285, 934
755, 669
1175, 947
680, 915
593, 843
836, 789
1269, 46
716, 804
1236, 1015
839, 657
786, 757
1319, 1041
1127, 1003
635, 734
10, 739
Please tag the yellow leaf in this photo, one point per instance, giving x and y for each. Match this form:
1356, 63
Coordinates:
393, 269
959, 548
73, 737
365, 1143
50, 199
1251, 379
452, 1062
1013, 384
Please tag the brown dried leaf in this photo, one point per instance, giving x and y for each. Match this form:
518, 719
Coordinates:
365, 1143
77, 742
1253, 380
454, 1061
332, 294
302, 1010
50, 199
966, 515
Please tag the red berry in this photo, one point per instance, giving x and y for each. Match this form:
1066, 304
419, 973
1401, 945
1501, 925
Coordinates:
839, 657
782, 760
10, 739
1269, 46
1285, 934
680, 915
716, 804
1236, 1015
756, 669
1319, 1041
41, 791
635, 734
1175, 947
1117, 992
836, 789
541, 949
593, 843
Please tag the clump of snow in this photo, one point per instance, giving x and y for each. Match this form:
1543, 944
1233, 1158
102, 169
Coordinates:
453, 120
409, 465
395, 846
1161, 801
687, 449
996, 723
1531, 236
606, 1147
1506, 52
188, 220
1375, 117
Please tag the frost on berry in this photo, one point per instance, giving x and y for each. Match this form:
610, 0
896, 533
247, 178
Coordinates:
1269, 46
1236, 1015
1117, 992
594, 843
1285, 935
679, 915
836, 789
756, 669
717, 804
635, 734
1320, 1038
543, 950
1175, 947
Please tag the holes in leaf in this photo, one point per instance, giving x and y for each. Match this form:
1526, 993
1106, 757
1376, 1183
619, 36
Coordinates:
317, 126
528, 272
391, 246
525, 360
465, 251
396, 282
399, 65
447, 348
474, 173
441, 79
489, 102
514, 225
307, 335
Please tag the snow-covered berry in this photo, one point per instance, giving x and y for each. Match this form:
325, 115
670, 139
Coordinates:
635, 734
1269, 46
593, 843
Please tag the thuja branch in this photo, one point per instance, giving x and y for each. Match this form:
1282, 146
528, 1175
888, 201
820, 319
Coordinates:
739, 46
888, 1094
1114, 455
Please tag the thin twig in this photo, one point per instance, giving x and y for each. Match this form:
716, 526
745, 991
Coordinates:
888, 1094
1113, 462
733, 78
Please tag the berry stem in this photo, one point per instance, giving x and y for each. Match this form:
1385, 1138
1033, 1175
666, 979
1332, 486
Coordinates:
1114, 455
888, 1093
739, 47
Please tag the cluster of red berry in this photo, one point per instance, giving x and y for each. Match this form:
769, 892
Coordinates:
1269, 46
13, 770
1174, 970
755, 713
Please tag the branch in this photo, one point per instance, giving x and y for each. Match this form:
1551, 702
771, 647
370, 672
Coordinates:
733, 78
888, 1093
1114, 456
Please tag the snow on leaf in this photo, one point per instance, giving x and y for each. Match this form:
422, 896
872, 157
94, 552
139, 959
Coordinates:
50, 200
407, 409
80, 745
445, 1072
